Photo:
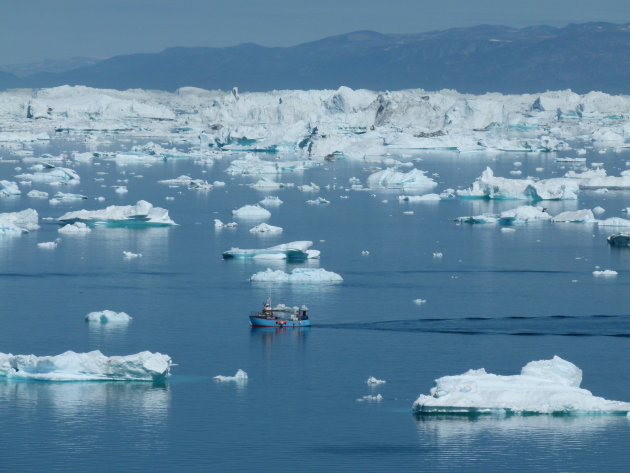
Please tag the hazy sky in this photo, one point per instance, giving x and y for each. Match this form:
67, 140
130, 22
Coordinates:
32, 30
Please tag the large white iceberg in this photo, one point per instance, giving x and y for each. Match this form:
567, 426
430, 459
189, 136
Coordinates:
16, 223
143, 214
543, 387
488, 186
292, 251
412, 181
91, 366
298, 276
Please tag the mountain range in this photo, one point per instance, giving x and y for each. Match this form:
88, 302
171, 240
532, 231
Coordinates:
581, 57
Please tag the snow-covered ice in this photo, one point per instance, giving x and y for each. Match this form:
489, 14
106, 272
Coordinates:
9, 188
108, 316
16, 223
292, 251
412, 181
576, 216
606, 273
77, 228
91, 366
263, 228
48, 245
52, 175
143, 214
372, 381
271, 201
35, 194
251, 212
297, 276
240, 377
543, 387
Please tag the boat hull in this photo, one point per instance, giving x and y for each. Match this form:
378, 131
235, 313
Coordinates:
264, 322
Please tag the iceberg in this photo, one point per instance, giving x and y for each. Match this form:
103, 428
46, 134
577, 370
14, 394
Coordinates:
518, 215
318, 201
266, 229
293, 251
91, 366
37, 194
271, 201
108, 316
77, 228
606, 273
251, 212
614, 222
130, 255
48, 245
487, 186
240, 377
619, 239
372, 381
298, 276
412, 181
52, 175
9, 188
218, 224
66, 197
576, 216
543, 387
143, 214
16, 223
370, 398
267, 185
187, 181
419, 198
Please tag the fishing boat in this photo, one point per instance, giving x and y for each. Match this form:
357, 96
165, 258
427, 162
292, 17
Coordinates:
280, 316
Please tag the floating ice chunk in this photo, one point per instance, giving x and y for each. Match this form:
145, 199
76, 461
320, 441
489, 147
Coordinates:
614, 222
34, 194
365, 253
577, 216
108, 316
240, 377
419, 198
298, 276
252, 212
483, 218
130, 255
16, 223
218, 184
543, 387
408, 212
606, 182
187, 181
516, 172
266, 185
83, 157
293, 251
599, 210
309, 188
414, 180
507, 230
77, 228
8, 188
264, 228
419, 301
52, 175
143, 214
47, 245
606, 273
523, 214
318, 201
370, 398
271, 201
92, 366
372, 381
570, 160
121, 189
66, 197
438, 255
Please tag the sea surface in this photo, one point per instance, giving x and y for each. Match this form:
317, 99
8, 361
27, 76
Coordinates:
495, 300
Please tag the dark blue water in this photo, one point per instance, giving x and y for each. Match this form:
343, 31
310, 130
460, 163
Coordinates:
495, 300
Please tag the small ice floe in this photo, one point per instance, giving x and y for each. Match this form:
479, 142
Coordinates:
35, 194
309, 188
599, 210
187, 181
507, 230
240, 378
543, 387
614, 222
318, 201
17, 223
251, 212
517, 164
408, 212
365, 253
419, 198
266, 229
121, 189
438, 255
370, 398
419, 301
130, 255
412, 181
60, 197
108, 316
265, 184
575, 216
143, 214
77, 228
9, 188
218, 184
606, 273
91, 366
271, 201
298, 276
292, 251
49, 245
516, 172
52, 175
372, 381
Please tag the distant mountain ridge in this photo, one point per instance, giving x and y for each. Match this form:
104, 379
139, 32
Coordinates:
581, 57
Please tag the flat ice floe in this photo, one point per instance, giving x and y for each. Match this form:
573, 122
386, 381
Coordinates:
9, 188
293, 251
47, 245
240, 378
143, 214
543, 387
108, 316
91, 366
518, 215
265, 229
271, 201
372, 381
187, 181
297, 276
575, 216
16, 223
52, 175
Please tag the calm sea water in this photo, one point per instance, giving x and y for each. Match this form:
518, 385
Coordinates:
495, 300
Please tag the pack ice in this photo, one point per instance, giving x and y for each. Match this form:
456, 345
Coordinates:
543, 387
143, 214
91, 366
